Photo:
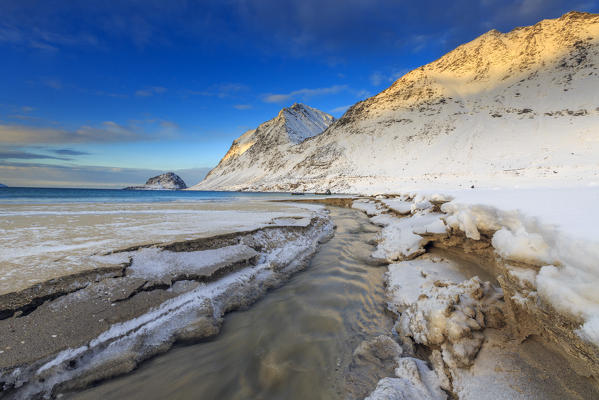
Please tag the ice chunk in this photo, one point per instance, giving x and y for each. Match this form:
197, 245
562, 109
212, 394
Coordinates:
398, 240
153, 262
398, 205
415, 381
371, 208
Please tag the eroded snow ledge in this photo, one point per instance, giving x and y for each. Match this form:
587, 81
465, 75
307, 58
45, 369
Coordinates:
81, 330
541, 288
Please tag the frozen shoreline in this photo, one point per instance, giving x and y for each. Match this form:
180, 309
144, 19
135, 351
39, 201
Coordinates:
473, 330
39, 242
75, 330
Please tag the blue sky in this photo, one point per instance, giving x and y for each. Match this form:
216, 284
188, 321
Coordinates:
105, 94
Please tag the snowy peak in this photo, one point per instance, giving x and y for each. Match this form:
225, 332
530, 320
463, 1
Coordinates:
303, 122
292, 125
260, 151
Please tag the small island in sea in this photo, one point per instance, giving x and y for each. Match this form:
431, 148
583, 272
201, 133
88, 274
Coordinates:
166, 181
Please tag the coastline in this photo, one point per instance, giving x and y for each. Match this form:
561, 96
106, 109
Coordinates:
491, 313
72, 331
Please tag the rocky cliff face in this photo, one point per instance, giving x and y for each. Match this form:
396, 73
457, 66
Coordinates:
502, 109
168, 181
260, 152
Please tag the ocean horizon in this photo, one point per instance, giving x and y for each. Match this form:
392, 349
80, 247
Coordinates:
12, 195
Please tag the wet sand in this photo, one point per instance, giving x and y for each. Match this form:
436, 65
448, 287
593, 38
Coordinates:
40, 242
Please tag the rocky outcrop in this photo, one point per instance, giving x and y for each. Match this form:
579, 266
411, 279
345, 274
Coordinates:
167, 181
502, 108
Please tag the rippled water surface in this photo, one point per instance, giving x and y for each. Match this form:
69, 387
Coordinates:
296, 343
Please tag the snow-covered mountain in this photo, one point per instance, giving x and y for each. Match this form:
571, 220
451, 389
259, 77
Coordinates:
258, 152
510, 108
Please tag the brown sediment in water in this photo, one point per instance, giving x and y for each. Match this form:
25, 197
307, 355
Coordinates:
344, 202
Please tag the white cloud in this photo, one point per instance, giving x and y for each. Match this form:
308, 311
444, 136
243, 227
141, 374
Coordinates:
243, 106
106, 132
363, 94
340, 109
151, 91
223, 90
303, 94
530, 7
52, 83
37, 38
376, 78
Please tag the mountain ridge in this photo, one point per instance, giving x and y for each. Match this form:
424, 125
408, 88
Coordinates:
259, 149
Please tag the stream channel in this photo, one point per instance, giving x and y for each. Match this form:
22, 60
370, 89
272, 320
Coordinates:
295, 343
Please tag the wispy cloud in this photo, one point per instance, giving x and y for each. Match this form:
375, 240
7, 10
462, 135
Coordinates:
70, 152
363, 94
110, 94
304, 93
168, 125
340, 109
151, 91
243, 106
378, 78
45, 40
222, 90
23, 117
52, 83
106, 132
24, 155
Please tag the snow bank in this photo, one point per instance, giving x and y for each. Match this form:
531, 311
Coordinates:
449, 313
556, 230
414, 381
549, 270
398, 205
370, 207
400, 238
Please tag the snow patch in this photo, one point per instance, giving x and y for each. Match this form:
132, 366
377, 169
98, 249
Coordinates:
414, 381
